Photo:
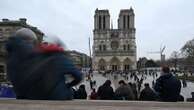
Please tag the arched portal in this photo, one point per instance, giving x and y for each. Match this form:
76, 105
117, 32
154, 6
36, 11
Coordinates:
102, 64
115, 64
127, 64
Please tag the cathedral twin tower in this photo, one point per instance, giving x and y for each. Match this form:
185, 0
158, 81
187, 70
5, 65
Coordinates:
125, 21
114, 49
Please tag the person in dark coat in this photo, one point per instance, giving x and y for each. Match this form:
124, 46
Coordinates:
81, 92
124, 91
181, 98
134, 89
37, 71
168, 86
147, 94
105, 92
192, 98
91, 84
74, 93
93, 95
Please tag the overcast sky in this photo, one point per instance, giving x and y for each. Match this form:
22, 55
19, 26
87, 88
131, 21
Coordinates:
157, 22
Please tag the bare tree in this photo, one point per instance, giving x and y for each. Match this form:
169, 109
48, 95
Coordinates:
188, 53
175, 57
188, 49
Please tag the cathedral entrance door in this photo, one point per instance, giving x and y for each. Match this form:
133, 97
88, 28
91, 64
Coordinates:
115, 64
114, 67
127, 64
127, 67
102, 68
102, 64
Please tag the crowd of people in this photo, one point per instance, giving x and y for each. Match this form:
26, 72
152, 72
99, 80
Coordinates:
166, 88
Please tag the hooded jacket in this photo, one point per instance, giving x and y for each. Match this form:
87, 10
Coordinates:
124, 91
39, 73
168, 88
105, 91
147, 94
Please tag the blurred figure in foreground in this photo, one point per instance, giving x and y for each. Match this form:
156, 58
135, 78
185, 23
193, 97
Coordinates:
37, 70
168, 86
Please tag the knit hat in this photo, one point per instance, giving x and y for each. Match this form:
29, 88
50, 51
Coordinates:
26, 33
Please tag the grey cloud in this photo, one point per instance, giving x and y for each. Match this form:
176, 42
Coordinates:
168, 22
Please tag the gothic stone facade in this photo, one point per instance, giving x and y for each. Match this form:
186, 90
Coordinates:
114, 49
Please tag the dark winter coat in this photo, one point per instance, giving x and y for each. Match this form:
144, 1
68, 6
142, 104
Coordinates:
93, 96
39, 74
124, 92
147, 94
81, 94
105, 92
168, 88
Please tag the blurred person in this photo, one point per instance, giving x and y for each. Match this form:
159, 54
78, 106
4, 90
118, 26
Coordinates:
105, 91
74, 92
91, 84
192, 98
181, 98
134, 89
184, 83
51, 39
93, 95
147, 94
124, 91
153, 83
37, 70
167, 86
94, 82
81, 92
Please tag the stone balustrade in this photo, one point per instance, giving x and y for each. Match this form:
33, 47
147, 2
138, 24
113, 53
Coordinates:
12, 104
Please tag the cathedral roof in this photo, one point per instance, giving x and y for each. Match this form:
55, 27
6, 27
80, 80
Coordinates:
102, 11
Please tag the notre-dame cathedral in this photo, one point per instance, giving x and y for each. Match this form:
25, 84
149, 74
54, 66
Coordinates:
114, 49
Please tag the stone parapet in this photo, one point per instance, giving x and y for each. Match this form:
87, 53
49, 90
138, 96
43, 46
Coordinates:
12, 104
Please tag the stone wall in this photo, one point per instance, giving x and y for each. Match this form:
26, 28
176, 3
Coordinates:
92, 105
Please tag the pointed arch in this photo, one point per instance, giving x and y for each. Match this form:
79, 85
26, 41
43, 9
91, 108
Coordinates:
115, 64
102, 64
127, 64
